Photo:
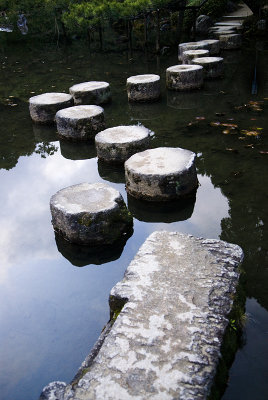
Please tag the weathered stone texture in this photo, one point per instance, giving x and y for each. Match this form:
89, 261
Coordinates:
43, 107
93, 92
90, 214
165, 343
161, 174
212, 66
184, 77
143, 88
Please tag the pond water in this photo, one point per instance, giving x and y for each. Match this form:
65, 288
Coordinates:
54, 297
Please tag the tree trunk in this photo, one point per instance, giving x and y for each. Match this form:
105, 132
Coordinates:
100, 36
180, 21
157, 42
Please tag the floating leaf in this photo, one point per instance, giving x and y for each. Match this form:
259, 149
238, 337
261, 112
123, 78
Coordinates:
200, 118
230, 126
215, 123
232, 150
226, 132
241, 138
263, 152
220, 114
250, 133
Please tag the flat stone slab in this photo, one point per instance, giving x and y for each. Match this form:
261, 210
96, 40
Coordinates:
90, 214
143, 88
80, 122
43, 107
93, 92
165, 343
119, 143
161, 174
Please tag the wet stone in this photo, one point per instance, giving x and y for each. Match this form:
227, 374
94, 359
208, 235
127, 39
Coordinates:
142, 88
80, 122
161, 174
117, 144
92, 92
165, 343
230, 41
189, 55
184, 77
92, 214
212, 66
43, 107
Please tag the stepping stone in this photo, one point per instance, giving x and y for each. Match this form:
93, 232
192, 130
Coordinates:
212, 66
161, 174
91, 93
142, 88
184, 77
117, 144
230, 41
170, 314
92, 214
80, 122
43, 107
189, 55
213, 46
191, 46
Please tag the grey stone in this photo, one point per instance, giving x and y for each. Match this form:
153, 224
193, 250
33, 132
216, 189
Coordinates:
189, 55
230, 41
117, 144
212, 66
80, 122
165, 343
184, 77
93, 92
213, 46
142, 88
203, 23
43, 107
191, 46
91, 214
161, 174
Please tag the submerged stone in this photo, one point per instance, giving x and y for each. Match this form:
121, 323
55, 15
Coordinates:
212, 66
117, 144
165, 342
91, 214
142, 88
43, 107
92, 92
184, 77
80, 122
161, 174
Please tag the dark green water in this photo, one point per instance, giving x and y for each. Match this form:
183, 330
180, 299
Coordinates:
53, 297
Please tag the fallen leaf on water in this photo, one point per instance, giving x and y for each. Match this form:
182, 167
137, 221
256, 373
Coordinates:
232, 150
220, 114
226, 132
249, 146
250, 133
263, 152
200, 118
253, 119
241, 138
231, 126
215, 123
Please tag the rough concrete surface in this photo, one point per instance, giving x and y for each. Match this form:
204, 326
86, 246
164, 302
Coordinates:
43, 107
184, 77
165, 342
142, 88
93, 92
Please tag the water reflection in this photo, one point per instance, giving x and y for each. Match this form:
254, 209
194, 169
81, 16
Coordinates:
44, 133
182, 100
167, 212
111, 172
77, 151
80, 256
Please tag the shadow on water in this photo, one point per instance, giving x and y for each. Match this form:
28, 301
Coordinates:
111, 172
80, 256
77, 151
161, 211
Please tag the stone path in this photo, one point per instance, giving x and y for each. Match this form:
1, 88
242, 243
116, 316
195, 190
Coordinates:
165, 343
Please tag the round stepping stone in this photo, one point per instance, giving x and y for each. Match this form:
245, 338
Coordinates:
119, 143
230, 41
91, 214
143, 88
189, 55
80, 122
161, 174
43, 107
191, 46
91, 93
212, 66
184, 77
213, 46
